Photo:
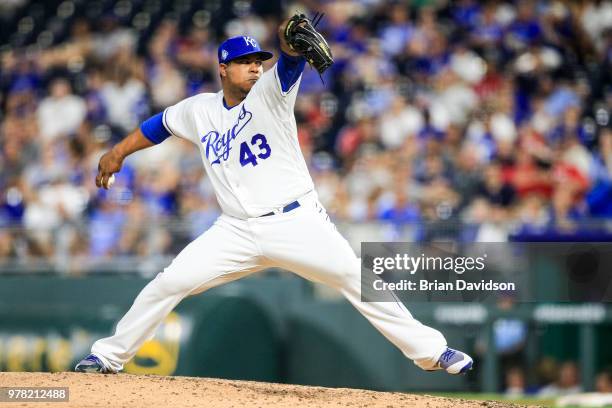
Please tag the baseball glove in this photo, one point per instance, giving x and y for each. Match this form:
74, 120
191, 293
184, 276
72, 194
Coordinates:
303, 38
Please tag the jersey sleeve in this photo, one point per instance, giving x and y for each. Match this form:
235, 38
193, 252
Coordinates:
179, 119
279, 85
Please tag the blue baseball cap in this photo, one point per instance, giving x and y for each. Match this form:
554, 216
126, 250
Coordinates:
240, 46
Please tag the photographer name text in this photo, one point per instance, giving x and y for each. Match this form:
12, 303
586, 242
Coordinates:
435, 285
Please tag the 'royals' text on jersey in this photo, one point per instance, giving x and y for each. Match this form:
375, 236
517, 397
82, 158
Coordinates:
250, 151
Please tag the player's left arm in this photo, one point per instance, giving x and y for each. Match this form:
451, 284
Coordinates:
299, 43
281, 82
279, 85
290, 64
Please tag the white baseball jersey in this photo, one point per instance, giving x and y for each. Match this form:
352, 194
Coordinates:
250, 151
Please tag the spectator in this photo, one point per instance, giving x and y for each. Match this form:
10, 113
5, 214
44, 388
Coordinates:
106, 225
567, 383
124, 98
603, 382
399, 123
515, 383
495, 189
397, 33
402, 210
61, 113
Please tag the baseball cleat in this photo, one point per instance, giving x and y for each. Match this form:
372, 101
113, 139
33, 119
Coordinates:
92, 364
454, 362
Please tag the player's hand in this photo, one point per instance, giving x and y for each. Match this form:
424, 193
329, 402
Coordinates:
110, 163
283, 41
301, 36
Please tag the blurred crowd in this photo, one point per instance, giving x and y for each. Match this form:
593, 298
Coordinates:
551, 379
477, 120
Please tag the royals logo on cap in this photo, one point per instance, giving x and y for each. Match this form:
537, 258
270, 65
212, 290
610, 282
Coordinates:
241, 46
250, 41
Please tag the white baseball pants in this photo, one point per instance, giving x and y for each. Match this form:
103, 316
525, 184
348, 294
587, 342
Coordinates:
303, 241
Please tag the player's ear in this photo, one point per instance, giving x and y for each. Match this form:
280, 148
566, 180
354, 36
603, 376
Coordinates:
223, 70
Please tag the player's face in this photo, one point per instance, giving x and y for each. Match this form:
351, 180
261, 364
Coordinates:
242, 73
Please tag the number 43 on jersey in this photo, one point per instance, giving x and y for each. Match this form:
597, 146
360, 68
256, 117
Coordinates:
260, 144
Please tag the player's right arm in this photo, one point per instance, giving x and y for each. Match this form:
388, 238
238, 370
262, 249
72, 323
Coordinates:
111, 162
151, 132
175, 120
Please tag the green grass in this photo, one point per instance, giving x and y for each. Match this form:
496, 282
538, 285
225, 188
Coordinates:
497, 397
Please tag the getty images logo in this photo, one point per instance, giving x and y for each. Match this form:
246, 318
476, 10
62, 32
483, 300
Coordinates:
250, 41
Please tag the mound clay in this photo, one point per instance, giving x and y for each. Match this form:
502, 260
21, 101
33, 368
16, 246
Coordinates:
135, 391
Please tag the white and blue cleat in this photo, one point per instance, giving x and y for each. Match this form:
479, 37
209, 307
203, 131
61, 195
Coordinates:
454, 362
92, 364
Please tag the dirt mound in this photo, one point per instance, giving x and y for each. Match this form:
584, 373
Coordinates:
125, 390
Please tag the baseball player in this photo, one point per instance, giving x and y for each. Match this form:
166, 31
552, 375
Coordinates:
271, 217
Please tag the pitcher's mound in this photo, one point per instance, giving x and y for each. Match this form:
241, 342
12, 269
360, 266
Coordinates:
136, 391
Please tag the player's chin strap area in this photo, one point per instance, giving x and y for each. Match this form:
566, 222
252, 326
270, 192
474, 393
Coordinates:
285, 209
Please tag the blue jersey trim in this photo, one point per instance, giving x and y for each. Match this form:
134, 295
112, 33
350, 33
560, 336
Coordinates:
154, 129
289, 69
165, 123
225, 105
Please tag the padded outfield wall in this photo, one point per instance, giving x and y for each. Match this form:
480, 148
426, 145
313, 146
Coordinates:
271, 328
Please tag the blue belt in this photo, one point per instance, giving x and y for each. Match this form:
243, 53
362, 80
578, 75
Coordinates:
286, 209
